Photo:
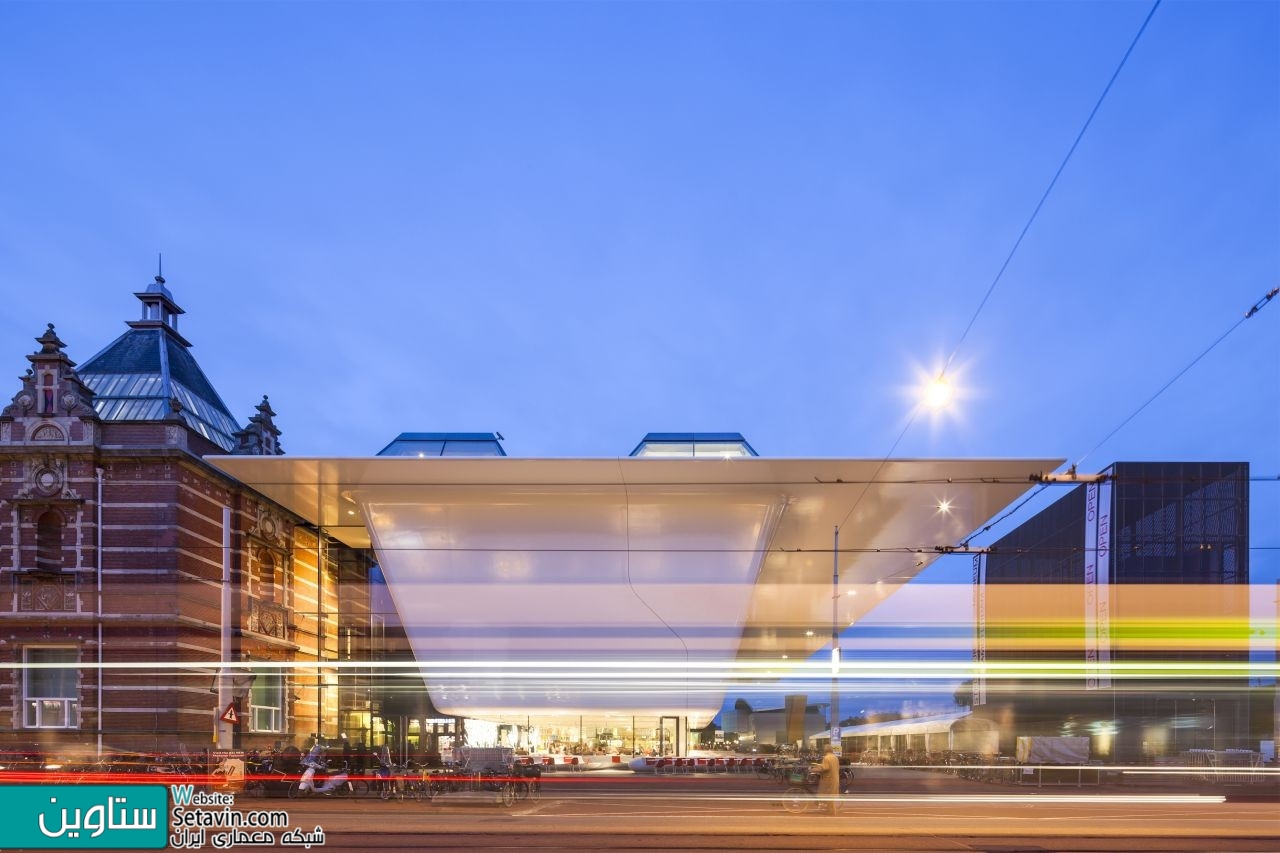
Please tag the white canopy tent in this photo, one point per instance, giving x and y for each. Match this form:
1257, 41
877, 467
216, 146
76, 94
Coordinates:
957, 732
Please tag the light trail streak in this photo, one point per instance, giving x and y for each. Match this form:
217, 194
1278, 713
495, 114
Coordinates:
960, 799
729, 670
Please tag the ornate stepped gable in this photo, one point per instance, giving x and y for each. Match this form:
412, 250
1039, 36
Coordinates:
261, 437
52, 423
51, 416
54, 407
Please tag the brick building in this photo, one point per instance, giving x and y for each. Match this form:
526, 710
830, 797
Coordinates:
115, 539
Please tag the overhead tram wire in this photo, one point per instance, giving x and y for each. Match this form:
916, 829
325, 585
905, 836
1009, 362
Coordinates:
976, 480
1256, 307
627, 552
1016, 244
1052, 182
917, 548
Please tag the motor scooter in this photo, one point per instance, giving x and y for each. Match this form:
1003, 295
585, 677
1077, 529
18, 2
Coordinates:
328, 784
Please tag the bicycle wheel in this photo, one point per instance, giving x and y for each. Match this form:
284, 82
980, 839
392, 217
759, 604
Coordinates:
359, 788
255, 788
797, 799
508, 794
294, 792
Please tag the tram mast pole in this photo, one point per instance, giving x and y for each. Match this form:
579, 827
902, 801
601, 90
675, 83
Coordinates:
835, 641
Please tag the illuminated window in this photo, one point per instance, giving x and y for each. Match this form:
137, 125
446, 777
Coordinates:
50, 693
377, 635
700, 445
266, 703
427, 444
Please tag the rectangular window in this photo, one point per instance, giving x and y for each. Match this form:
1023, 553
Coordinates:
266, 703
51, 693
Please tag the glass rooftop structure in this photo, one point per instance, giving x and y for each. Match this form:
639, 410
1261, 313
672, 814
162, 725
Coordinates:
656, 445
140, 375
424, 444
699, 445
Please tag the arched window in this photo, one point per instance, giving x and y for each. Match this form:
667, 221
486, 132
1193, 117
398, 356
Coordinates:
266, 576
46, 393
49, 542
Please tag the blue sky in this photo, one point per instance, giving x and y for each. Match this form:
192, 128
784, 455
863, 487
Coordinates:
579, 222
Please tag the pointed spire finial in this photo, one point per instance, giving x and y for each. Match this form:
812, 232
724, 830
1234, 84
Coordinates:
49, 342
159, 268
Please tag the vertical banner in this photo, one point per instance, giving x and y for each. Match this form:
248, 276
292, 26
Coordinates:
979, 688
1103, 565
1097, 580
1091, 587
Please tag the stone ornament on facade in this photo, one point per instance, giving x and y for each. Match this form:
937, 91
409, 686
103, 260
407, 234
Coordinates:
49, 595
47, 433
46, 478
268, 619
268, 526
47, 481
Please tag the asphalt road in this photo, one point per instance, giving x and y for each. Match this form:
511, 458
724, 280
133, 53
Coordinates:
890, 809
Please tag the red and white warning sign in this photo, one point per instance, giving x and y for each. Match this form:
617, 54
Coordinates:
230, 715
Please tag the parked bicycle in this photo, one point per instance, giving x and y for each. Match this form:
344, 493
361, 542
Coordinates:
527, 782
264, 776
801, 792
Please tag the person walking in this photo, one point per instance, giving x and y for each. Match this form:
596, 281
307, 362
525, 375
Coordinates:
829, 780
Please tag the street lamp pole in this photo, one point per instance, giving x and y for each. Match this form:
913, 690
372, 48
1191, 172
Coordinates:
835, 641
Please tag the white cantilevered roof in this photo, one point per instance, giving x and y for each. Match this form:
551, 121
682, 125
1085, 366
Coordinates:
572, 585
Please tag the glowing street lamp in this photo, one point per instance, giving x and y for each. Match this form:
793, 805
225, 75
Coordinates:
938, 394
